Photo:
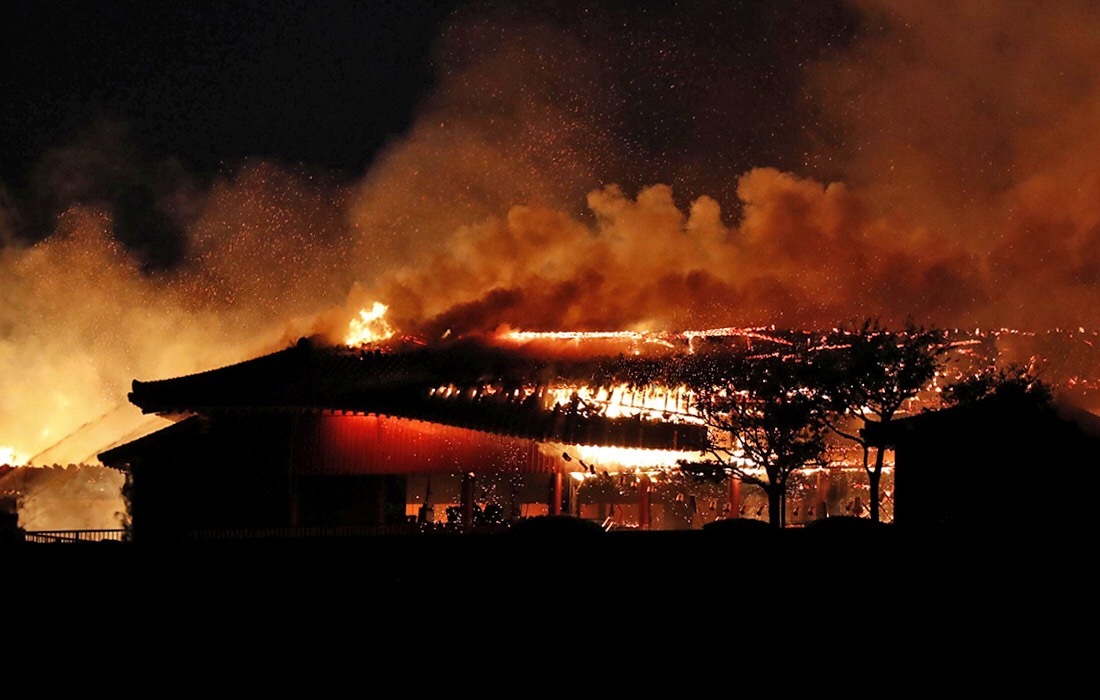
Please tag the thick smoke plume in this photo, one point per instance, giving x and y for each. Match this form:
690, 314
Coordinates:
81, 318
977, 125
961, 191
802, 254
946, 175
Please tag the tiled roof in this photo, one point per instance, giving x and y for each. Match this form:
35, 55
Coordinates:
306, 377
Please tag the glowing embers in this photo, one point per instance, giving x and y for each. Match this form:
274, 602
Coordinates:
370, 327
9, 457
638, 342
652, 402
597, 342
524, 336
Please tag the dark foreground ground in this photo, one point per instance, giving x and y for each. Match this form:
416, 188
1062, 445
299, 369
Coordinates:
554, 596
563, 560
621, 612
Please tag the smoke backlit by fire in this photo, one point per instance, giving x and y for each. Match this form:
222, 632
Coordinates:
960, 189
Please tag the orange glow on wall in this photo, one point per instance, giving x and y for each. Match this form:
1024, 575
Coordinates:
332, 443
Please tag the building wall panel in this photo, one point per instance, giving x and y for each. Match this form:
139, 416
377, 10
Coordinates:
331, 443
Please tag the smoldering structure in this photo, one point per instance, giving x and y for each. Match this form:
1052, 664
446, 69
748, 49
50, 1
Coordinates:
325, 436
958, 189
479, 430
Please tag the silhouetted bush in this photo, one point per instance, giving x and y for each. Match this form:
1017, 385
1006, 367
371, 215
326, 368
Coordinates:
555, 526
735, 525
10, 531
846, 523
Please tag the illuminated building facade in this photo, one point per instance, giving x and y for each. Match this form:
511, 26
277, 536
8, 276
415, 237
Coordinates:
463, 435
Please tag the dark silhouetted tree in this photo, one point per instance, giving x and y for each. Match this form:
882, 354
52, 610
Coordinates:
765, 420
1012, 382
874, 373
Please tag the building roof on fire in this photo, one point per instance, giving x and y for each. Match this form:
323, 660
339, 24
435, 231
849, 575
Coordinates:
489, 389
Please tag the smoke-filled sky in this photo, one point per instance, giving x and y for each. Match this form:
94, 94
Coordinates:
190, 184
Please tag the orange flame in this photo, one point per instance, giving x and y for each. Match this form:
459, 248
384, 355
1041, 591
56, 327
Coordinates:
9, 457
370, 327
652, 402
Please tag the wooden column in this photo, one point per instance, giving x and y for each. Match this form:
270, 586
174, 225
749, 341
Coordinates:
822, 496
555, 493
644, 517
468, 481
735, 497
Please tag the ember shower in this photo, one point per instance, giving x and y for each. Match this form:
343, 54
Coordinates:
616, 170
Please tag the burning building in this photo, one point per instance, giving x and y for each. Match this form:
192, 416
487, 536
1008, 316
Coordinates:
385, 431
463, 433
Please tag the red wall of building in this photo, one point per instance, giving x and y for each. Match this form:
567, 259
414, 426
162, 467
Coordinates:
331, 444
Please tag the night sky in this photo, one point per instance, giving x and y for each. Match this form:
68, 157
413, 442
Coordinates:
211, 83
187, 185
687, 90
202, 86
